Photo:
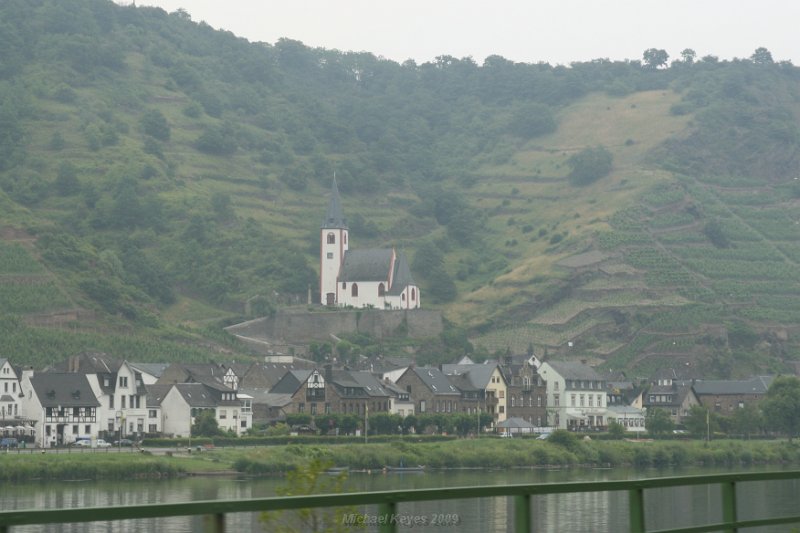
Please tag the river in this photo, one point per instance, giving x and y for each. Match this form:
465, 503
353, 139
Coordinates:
591, 512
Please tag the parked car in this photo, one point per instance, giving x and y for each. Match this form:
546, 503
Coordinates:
87, 443
124, 442
8, 442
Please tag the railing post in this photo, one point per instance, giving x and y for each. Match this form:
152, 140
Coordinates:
522, 513
729, 504
388, 510
636, 510
214, 523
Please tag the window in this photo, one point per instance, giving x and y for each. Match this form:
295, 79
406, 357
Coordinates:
313, 409
354, 290
555, 385
87, 429
223, 414
122, 399
331, 238
152, 428
502, 409
502, 394
413, 294
422, 406
327, 408
123, 381
555, 400
381, 289
344, 238
582, 400
301, 408
591, 401
330, 255
75, 429
344, 285
153, 413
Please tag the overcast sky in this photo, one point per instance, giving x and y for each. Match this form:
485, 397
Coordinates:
557, 31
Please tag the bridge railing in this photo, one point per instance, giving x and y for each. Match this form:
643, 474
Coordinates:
387, 502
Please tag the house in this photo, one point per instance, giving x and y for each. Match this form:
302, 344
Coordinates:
375, 278
526, 390
725, 396
576, 395
483, 388
63, 405
9, 392
400, 401
675, 396
631, 418
431, 391
118, 387
183, 402
333, 391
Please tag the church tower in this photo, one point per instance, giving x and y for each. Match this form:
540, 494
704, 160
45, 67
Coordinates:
333, 245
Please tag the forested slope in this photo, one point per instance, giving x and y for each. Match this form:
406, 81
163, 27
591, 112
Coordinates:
160, 178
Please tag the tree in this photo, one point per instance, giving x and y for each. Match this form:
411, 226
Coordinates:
781, 406
154, 124
616, 430
658, 421
655, 58
205, 424
700, 422
688, 56
589, 165
747, 420
761, 56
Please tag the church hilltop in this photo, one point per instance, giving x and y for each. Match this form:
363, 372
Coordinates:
367, 291
375, 278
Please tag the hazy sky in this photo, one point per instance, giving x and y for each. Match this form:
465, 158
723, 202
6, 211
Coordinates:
557, 31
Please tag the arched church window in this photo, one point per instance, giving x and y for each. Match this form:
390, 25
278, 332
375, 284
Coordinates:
344, 284
381, 290
331, 238
354, 290
403, 297
413, 294
344, 238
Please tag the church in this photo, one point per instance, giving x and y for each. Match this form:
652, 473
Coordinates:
376, 278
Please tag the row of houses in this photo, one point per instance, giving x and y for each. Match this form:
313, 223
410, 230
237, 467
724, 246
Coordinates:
94, 395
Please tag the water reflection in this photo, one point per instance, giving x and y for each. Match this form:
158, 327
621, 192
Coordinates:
587, 512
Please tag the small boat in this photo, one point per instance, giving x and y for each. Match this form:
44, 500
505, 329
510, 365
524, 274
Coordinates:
336, 470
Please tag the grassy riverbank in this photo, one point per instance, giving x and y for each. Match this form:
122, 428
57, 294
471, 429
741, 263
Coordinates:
464, 453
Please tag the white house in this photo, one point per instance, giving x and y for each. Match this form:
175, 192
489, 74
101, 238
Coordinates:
9, 392
630, 417
376, 278
63, 406
183, 402
576, 395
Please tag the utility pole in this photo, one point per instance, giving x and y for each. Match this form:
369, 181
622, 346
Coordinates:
366, 422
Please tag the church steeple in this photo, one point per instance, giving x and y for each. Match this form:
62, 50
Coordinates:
334, 218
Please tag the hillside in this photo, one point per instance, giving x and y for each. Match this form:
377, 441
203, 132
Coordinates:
160, 179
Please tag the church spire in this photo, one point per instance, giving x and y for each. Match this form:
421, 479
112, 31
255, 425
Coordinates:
334, 219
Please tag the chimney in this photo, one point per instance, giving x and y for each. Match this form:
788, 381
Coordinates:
328, 372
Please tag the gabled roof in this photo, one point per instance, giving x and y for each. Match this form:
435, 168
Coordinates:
156, 394
755, 385
88, 363
435, 380
334, 218
63, 389
291, 381
402, 277
576, 371
153, 369
371, 385
477, 376
366, 265
196, 394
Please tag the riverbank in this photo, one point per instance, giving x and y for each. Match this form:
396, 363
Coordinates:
463, 453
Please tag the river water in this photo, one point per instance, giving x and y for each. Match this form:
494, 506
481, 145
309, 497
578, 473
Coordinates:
591, 512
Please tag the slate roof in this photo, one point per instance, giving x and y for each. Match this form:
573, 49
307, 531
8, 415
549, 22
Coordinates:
371, 385
575, 371
476, 376
153, 369
196, 394
401, 277
156, 394
679, 390
88, 363
334, 218
372, 264
435, 380
63, 389
755, 385
291, 381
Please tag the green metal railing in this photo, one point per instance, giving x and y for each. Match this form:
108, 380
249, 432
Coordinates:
387, 502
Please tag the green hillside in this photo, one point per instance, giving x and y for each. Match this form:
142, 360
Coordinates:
160, 179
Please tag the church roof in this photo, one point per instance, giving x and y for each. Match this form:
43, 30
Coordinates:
334, 218
366, 265
402, 275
